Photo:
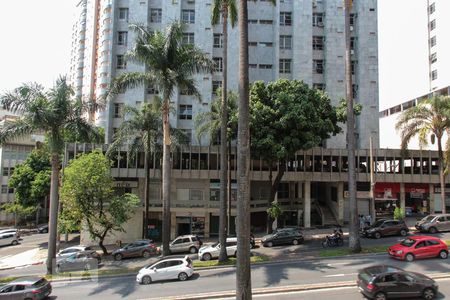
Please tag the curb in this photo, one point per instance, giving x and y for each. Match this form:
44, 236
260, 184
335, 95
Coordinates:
21, 266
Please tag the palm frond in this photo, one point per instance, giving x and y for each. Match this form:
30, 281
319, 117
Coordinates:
131, 80
233, 12
20, 98
16, 129
216, 12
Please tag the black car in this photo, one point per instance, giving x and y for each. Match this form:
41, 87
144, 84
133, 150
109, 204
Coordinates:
283, 236
386, 227
79, 261
382, 282
43, 228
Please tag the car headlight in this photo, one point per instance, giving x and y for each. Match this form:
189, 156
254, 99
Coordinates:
399, 252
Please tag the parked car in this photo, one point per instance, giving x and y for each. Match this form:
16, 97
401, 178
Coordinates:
185, 243
283, 236
9, 237
43, 228
434, 223
420, 246
252, 240
82, 260
71, 250
32, 288
139, 248
382, 282
213, 251
386, 227
168, 268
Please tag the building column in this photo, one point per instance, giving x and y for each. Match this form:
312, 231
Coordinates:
402, 197
340, 198
300, 208
307, 204
431, 198
207, 220
173, 225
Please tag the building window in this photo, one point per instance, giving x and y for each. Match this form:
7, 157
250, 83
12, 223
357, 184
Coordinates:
123, 14
188, 16
285, 18
218, 40
352, 19
252, 44
5, 171
155, 15
283, 190
4, 189
188, 38
318, 66
185, 112
434, 75
433, 41
266, 44
431, 8
152, 90
319, 86
122, 38
11, 171
317, 42
215, 86
352, 43
317, 19
186, 92
266, 22
265, 66
354, 63
433, 58
355, 91
252, 21
285, 66
118, 109
10, 190
432, 24
121, 63
218, 64
285, 41
252, 66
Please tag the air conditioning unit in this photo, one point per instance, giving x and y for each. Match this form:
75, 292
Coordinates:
351, 28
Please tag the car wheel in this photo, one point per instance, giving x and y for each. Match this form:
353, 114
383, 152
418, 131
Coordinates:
146, 280
182, 276
269, 244
45, 231
118, 256
409, 257
193, 250
443, 254
432, 230
206, 256
380, 296
403, 232
377, 235
15, 242
145, 254
295, 242
428, 294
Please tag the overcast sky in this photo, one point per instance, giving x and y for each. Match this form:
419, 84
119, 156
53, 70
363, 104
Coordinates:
37, 37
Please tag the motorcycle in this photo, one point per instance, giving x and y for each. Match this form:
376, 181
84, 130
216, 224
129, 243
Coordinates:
334, 240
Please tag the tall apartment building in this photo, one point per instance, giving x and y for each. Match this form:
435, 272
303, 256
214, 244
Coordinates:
296, 39
438, 60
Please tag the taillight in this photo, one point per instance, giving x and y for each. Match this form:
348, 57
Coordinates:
370, 286
35, 291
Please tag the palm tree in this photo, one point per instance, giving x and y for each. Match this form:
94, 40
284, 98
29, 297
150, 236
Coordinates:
140, 130
429, 117
170, 64
55, 113
224, 9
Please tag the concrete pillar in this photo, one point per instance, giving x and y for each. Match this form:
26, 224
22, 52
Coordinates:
173, 225
300, 208
402, 197
307, 204
431, 198
340, 199
207, 221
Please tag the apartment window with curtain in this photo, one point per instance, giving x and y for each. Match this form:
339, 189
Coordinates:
188, 16
121, 63
218, 64
317, 43
122, 38
155, 15
285, 18
285, 66
123, 14
188, 38
318, 66
286, 42
185, 112
317, 20
218, 40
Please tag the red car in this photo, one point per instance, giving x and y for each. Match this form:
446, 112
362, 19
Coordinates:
420, 246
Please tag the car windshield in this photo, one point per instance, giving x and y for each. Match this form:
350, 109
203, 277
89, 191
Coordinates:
378, 223
407, 242
215, 244
428, 218
40, 283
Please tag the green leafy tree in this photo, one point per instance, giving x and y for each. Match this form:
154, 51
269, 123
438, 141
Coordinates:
274, 211
399, 213
429, 119
88, 193
170, 64
53, 112
18, 210
287, 116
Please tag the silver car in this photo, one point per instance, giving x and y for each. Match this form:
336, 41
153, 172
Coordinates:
434, 223
185, 243
9, 238
30, 288
213, 251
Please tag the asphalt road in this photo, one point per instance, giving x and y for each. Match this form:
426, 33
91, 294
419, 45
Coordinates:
28, 242
263, 276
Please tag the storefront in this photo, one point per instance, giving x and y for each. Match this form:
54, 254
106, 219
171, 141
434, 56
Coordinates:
417, 197
387, 196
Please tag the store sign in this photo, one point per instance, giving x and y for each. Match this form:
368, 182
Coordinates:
359, 194
417, 193
125, 184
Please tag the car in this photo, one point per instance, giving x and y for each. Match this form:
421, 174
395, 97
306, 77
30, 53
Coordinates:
43, 228
283, 236
185, 243
165, 269
82, 260
386, 227
213, 251
139, 248
71, 250
434, 223
9, 237
419, 246
382, 282
30, 288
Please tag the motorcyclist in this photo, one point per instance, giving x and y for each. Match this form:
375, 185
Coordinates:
337, 234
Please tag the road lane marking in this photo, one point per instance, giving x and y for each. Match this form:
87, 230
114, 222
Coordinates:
340, 275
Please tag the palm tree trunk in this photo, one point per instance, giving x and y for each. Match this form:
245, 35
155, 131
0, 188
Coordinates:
53, 219
166, 178
441, 174
354, 242
229, 188
243, 275
223, 143
146, 189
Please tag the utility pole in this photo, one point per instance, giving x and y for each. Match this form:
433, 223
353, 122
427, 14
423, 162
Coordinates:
372, 182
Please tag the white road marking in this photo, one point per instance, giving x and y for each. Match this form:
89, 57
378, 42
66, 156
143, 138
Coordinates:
340, 275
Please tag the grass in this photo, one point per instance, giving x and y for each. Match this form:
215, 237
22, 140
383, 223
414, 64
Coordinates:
347, 251
7, 279
230, 262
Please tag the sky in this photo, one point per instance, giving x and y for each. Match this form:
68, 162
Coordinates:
37, 39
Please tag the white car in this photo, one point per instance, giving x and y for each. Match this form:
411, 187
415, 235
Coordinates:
71, 250
9, 237
213, 251
165, 269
